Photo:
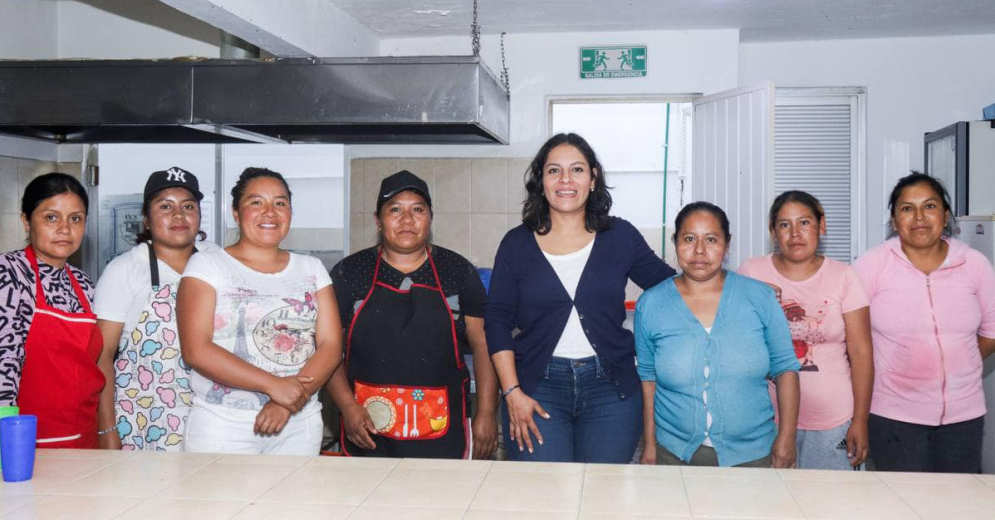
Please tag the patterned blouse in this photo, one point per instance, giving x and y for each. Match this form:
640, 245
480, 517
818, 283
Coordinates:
17, 307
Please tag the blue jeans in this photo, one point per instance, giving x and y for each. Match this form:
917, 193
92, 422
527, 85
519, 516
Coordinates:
587, 420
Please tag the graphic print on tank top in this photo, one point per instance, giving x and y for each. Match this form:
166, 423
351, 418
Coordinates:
283, 336
286, 335
805, 333
218, 391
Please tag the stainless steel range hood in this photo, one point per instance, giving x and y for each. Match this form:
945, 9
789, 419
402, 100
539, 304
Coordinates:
342, 100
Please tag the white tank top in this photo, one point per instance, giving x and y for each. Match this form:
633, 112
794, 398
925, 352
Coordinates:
573, 343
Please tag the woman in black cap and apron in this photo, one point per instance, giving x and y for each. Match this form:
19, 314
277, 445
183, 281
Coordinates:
408, 310
145, 404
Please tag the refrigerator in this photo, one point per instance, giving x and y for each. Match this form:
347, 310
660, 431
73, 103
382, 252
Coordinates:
978, 231
962, 156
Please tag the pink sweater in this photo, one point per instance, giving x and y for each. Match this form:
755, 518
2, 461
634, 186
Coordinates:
926, 360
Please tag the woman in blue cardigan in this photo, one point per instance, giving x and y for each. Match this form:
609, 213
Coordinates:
707, 341
560, 279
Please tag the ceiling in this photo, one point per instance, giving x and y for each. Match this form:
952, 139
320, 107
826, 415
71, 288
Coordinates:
758, 20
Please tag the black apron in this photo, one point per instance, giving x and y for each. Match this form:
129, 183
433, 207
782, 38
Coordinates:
404, 366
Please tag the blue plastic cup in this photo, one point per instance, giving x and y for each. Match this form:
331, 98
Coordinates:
17, 447
7, 411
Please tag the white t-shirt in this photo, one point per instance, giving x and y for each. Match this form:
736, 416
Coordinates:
268, 320
125, 286
573, 343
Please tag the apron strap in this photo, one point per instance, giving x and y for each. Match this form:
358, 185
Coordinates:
29, 252
452, 322
39, 291
153, 266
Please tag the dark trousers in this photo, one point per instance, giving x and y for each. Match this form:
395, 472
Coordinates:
902, 446
704, 456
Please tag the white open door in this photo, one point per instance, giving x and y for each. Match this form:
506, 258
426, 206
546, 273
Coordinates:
733, 163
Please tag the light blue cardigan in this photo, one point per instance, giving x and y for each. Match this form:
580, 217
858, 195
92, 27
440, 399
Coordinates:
749, 343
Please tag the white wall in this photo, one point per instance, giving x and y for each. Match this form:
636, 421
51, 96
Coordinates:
28, 29
317, 27
130, 29
914, 85
547, 64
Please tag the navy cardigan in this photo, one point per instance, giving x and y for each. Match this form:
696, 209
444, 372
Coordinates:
526, 294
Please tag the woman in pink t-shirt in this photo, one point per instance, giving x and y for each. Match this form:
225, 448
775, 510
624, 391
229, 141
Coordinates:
933, 322
827, 311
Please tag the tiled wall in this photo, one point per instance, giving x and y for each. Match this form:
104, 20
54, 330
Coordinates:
15, 174
476, 201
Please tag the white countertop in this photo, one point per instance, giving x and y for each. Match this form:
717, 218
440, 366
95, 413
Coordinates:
104, 484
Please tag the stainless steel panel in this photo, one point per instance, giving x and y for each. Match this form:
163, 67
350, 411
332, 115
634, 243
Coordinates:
352, 100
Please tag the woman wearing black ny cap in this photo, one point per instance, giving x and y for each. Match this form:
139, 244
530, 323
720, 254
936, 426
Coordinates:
409, 308
146, 401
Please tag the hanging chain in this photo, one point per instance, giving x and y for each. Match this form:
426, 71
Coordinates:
475, 42
475, 31
504, 69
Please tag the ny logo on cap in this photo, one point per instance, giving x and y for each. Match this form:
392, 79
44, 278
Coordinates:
176, 174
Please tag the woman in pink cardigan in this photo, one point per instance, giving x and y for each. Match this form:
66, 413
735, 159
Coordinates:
932, 323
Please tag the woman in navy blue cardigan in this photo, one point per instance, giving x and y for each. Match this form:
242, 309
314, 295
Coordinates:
560, 279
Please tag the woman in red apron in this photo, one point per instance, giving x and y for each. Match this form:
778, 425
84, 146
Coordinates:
49, 368
407, 308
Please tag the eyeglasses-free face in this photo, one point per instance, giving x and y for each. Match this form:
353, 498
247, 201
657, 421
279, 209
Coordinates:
701, 246
263, 214
567, 179
919, 216
405, 222
173, 217
796, 231
55, 228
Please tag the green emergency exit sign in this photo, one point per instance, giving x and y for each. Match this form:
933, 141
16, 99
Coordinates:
618, 61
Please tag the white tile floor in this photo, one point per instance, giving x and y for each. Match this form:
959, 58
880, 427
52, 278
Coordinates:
104, 485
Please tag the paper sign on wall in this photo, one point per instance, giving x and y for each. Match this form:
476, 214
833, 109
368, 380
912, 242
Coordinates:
618, 61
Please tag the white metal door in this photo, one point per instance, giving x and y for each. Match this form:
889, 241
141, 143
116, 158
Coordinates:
733, 164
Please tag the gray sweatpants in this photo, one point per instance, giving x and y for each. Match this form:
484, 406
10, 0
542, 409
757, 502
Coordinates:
824, 449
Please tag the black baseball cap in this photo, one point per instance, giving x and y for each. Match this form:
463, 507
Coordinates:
174, 177
402, 181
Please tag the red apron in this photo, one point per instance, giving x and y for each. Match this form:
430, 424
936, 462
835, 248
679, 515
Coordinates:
60, 381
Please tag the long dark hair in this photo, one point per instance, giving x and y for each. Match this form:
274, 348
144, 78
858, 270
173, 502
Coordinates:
921, 178
535, 211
